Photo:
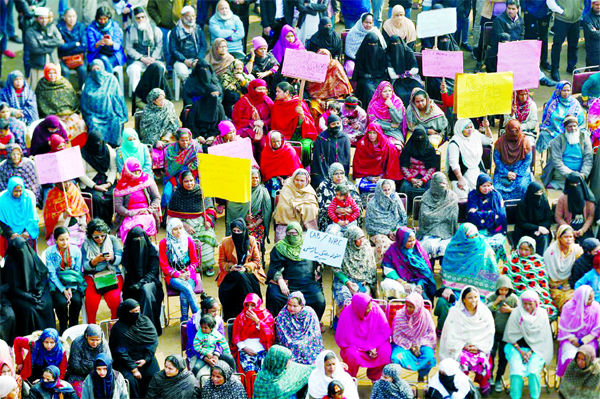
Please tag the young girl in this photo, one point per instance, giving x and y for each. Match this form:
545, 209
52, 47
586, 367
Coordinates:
335, 390
332, 108
343, 211
205, 344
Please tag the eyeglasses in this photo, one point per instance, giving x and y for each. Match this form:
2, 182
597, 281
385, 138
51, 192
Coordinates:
97, 237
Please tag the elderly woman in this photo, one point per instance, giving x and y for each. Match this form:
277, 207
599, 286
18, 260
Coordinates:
524, 110
387, 109
132, 147
328, 368
391, 383
219, 57
84, 350
326, 193
297, 328
180, 156
278, 159
262, 63
423, 111
103, 105
450, 381
280, 377
468, 336
18, 165
401, 26
385, 214
158, 124
175, 381
18, 216
406, 267
576, 207
582, 377
578, 325
355, 38
376, 157
137, 201
40, 139
363, 335
512, 157
559, 259
103, 381
65, 207
418, 163
288, 272
20, 97
223, 384
297, 203
534, 217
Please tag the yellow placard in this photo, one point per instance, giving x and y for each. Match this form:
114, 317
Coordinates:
483, 94
225, 177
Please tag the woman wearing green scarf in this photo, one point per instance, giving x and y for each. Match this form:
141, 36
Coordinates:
288, 272
133, 147
280, 377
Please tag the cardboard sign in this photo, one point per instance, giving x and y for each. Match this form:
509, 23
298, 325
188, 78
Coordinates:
523, 59
436, 22
302, 64
324, 248
241, 148
442, 64
483, 94
56, 167
225, 177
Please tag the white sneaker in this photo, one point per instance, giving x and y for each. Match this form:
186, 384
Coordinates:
498, 385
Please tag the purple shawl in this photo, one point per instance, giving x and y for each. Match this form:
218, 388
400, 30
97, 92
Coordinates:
41, 135
282, 44
409, 268
578, 319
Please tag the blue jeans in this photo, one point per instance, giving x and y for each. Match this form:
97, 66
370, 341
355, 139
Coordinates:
109, 62
377, 7
10, 21
186, 295
462, 30
166, 52
81, 72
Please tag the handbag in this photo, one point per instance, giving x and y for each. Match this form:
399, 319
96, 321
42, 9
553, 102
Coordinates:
73, 61
105, 281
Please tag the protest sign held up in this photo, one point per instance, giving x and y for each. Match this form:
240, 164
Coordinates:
56, 167
526, 70
436, 22
241, 148
442, 64
324, 248
225, 177
483, 94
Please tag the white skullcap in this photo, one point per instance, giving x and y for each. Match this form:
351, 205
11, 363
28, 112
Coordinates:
187, 9
42, 11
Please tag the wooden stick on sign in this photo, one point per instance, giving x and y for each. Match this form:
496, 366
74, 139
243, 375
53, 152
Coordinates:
301, 91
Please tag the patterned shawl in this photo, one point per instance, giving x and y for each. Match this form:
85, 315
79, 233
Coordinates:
410, 264
413, 115
25, 169
582, 383
416, 328
521, 109
336, 82
56, 204
552, 118
56, 98
359, 262
384, 213
438, 216
280, 377
179, 159
157, 121
232, 388
26, 102
219, 63
396, 389
357, 35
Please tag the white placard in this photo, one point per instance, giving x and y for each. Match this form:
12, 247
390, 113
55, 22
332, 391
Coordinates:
436, 22
324, 248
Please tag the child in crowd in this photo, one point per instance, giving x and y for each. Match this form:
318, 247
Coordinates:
592, 278
343, 211
335, 390
332, 108
6, 138
205, 344
354, 119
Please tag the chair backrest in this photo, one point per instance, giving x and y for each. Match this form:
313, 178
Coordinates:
393, 307
487, 33
419, 57
579, 78
462, 211
107, 325
137, 117
297, 147
404, 199
343, 36
487, 157
229, 329
88, 199
73, 332
183, 335
416, 209
511, 210
382, 304
533, 158
438, 159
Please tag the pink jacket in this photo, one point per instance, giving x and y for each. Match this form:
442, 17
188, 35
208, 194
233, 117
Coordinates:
168, 271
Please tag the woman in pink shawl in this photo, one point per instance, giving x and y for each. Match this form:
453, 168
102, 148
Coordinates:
363, 335
414, 337
387, 109
287, 39
579, 324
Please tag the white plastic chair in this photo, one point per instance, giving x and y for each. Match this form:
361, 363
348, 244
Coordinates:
118, 70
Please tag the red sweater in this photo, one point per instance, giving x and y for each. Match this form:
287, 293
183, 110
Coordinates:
335, 203
23, 343
168, 271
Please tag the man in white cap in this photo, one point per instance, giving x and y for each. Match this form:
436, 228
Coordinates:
166, 14
8, 387
187, 44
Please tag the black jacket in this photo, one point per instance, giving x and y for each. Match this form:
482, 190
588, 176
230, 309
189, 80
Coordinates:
268, 8
503, 24
592, 38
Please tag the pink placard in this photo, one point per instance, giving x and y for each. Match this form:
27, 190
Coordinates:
241, 148
302, 64
59, 166
523, 59
442, 64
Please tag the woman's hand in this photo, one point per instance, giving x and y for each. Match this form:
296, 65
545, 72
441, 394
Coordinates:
136, 373
283, 287
160, 145
574, 341
252, 316
189, 229
185, 275
447, 293
97, 259
416, 350
543, 230
143, 212
17, 113
210, 140
505, 308
140, 363
68, 295
389, 103
353, 287
19, 368
462, 183
525, 355
511, 176
372, 353
262, 75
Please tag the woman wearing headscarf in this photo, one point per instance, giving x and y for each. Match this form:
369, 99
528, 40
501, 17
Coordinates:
42, 132
103, 381
133, 148
468, 336
403, 69
20, 97
385, 214
222, 384
355, 38
585, 263
328, 368
103, 105
391, 385
326, 193
235, 81
370, 69
423, 111
438, 216
137, 200
7, 369
298, 329
332, 145
153, 78
529, 345
288, 272
297, 203
406, 267
199, 82
142, 278
206, 113
178, 261
278, 158
261, 62
401, 26
561, 104
219, 57
84, 351
534, 217
559, 259
280, 377
180, 156
158, 124
451, 382
578, 325
50, 386
418, 163
240, 269
363, 335
325, 38
287, 40
133, 342
175, 381
387, 110
43, 350
336, 82
18, 216
65, 207
576, 207
582, 377
524, 110
18, 165
28, 289
512, 157
376, 157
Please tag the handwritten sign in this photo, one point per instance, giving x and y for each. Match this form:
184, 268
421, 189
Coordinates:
56, 167
302, 64
523, 59
241, 148
483, 94
225, 177
324, 248
442, 64
436, 22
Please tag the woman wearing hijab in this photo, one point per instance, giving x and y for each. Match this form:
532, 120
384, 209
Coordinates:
326, 193
512, 157
65, 207
240, 269
328, 368
332, 145
20, 97
298, 329
42, 132
560, 105
18, 165
376, 156
585, 263
41, 352
576, 207
387, 110
524, 110
391, 385
137, 200
199, 82
18, 216
180, 156
401, 26
403, 69
133, 342
534, 217
363, 335
336, 82
175, 381
28, 290
450, 381
133, 148
222, 384
219, 57
423, 111
385, 214
406, 267
468, 336
418, 163
7, 369
355, 38
325, 38
297, 203
50, 386
158, 124
438, 216
153, 78
278, 158
178, 261
206, 114
103, 381
287, 40
280, 377
578, 325
582, 377
370, 69
261, 62
288, 272
529, 346
84, 351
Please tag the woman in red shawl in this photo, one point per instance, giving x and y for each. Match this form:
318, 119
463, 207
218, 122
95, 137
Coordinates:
74, 215
253, 334
279, 158
252, 115
376, 156
57, 143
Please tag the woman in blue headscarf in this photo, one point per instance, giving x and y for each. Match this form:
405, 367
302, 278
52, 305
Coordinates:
103, 381
18, 216
22, 100
51, 386
46, 351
